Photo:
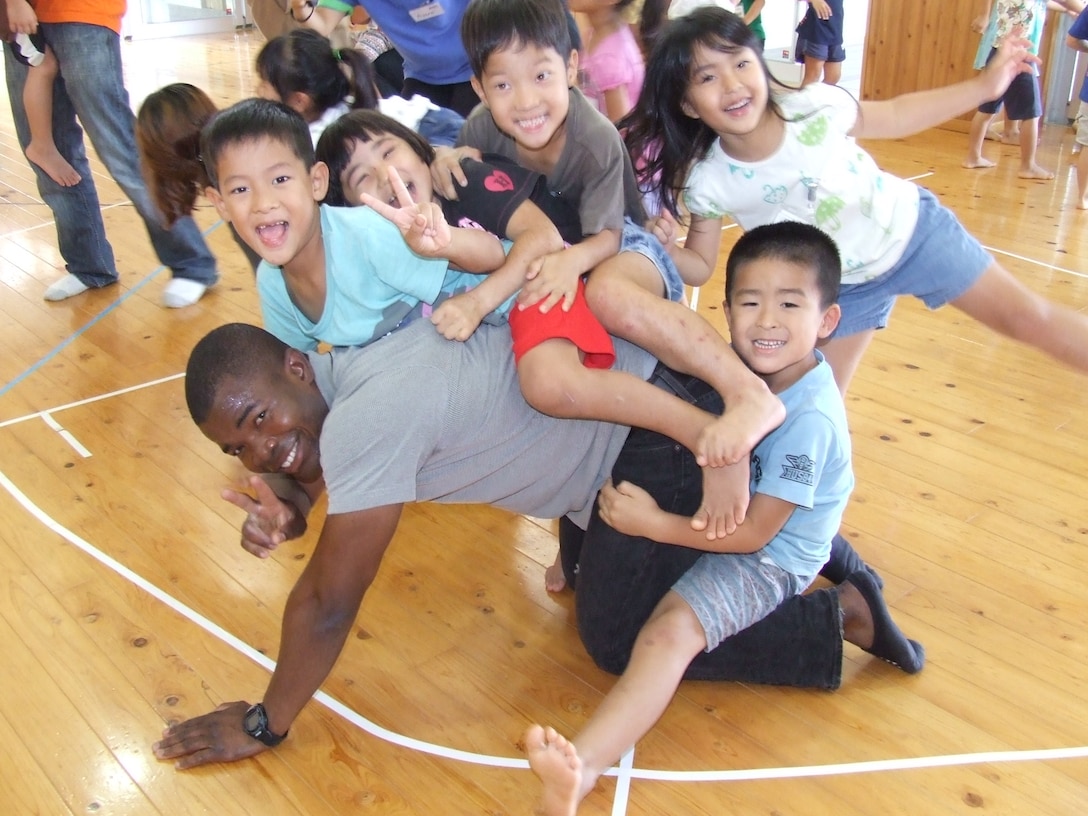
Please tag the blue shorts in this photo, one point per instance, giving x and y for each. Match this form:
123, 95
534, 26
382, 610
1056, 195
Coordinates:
824, 52
941, 262
728, 592
636, 239
1022, 99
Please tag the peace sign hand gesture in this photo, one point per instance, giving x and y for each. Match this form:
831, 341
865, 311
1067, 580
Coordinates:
423, 225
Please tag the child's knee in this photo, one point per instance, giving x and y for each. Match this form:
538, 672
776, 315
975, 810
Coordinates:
550, 390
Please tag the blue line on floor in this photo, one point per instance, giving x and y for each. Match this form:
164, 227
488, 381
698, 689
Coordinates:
80, 331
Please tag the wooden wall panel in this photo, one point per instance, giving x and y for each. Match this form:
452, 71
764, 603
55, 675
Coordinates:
923, 44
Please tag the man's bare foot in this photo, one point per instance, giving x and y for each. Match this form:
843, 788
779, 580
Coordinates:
747, 419
726, 493
50, 160
868, 623
555, 761
976, 162
554, 579
1034, 171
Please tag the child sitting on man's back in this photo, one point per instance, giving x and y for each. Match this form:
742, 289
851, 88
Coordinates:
328, 274
524, 72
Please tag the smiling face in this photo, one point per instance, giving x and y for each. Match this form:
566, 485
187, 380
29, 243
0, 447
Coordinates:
527, 89
271, 420
367, 170
729, 92
270, 197
775, 318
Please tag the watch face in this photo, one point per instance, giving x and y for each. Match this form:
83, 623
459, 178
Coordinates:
252, 722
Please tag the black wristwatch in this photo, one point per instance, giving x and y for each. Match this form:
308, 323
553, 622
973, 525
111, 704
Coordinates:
255, 723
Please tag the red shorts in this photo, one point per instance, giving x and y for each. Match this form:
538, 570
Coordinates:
530, 328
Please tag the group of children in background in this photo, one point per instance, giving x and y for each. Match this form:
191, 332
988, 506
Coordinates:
542, 193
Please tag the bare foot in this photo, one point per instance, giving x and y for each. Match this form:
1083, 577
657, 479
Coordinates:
53, 163
554, 579
976, 162
1082, 204
747, 419
726, 493
555, 761
1034, 171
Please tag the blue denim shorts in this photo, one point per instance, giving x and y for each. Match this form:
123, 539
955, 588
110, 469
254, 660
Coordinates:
941, 262
825, 52
636, 239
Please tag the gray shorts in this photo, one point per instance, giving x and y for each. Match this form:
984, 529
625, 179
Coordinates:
1082, 124
636, 239
730, 591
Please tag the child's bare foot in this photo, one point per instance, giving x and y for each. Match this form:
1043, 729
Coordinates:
555, 761
554, 579
976, 162
725, 500
49, 159
1034, 171
747, 419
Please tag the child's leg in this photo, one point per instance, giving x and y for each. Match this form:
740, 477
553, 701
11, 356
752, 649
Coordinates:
975, 137
844, 355
555, 382
1001, 302
1082, 179
625, 293
38, 101
832, 73
1029, 142
814, 70
666, 645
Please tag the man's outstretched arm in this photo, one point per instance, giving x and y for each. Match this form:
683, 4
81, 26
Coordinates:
319, 614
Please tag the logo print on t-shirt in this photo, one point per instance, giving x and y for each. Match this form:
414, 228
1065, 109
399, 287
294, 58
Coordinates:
800, 469
498, 182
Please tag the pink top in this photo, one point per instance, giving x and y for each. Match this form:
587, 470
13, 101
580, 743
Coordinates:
616, 61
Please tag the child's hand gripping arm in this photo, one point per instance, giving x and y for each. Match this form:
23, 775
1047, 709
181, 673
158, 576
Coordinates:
533, 235
910, 113
426, 232
631, 510
446, 173
554, 278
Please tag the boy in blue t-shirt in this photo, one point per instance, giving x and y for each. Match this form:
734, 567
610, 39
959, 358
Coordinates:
782, 283
328, 275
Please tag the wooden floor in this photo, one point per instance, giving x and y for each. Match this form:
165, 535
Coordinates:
125, 601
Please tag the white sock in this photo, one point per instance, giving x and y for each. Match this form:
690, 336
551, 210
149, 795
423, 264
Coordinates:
182, 292
65, 287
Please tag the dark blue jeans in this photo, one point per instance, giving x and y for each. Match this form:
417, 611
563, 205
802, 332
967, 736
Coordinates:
620, 579
91, 87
